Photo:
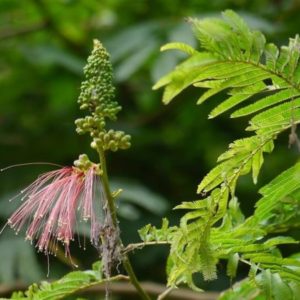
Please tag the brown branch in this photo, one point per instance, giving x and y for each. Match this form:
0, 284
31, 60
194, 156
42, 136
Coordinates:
126, 289
10, 33
51, 24
164, 294
47, 23
292, 10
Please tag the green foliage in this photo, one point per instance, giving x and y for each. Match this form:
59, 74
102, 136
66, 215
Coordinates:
236, 61
236, 239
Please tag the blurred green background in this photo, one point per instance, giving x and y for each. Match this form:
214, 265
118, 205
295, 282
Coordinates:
43, 47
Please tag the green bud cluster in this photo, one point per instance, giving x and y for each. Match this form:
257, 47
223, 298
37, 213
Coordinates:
83, 163
97, 91
111, 140
89, 124
97, 96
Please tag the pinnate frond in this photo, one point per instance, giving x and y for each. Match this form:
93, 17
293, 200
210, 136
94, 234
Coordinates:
242, 64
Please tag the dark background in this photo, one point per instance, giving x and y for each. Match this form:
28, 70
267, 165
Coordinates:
43, 47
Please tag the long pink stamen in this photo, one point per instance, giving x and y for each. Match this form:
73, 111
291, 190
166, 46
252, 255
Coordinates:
50, 208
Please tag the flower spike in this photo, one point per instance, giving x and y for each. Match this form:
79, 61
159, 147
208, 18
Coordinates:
97, 96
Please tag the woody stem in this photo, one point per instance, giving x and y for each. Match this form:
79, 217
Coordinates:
112, 209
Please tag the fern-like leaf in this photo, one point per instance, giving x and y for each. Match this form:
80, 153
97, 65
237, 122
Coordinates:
239, 61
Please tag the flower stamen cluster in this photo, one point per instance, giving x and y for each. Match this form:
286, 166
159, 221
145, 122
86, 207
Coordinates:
57, 201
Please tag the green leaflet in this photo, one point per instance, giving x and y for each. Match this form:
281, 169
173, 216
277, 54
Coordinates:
280, 240
283, 185
179, 46
242, 78
230, 38
177, 80
191, 63
197, 247
152, 234
271, 56
215, 83
212, 179
275, 286
242, 156
67, 285
198, 204
204, 69
270, 259
232, 265
276, 98
276, 119
257, 161
245, 290
288, 58
240, 27
265, 286
191, 216
208, 262
261, 247
238, 96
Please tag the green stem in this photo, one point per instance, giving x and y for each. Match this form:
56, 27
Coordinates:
112, 209
110, 200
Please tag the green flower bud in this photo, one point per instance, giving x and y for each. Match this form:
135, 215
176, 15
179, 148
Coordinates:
94, 145
113, 146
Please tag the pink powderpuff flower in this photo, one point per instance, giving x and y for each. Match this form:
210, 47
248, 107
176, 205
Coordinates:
53, 205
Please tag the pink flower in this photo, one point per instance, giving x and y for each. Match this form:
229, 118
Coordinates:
55, 202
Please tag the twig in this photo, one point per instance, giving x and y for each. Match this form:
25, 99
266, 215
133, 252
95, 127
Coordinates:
293, 137
126, 289
48, 19
9, 33
165, 293
132, 247
249, 263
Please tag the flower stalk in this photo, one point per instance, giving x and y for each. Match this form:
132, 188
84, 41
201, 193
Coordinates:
97, 96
